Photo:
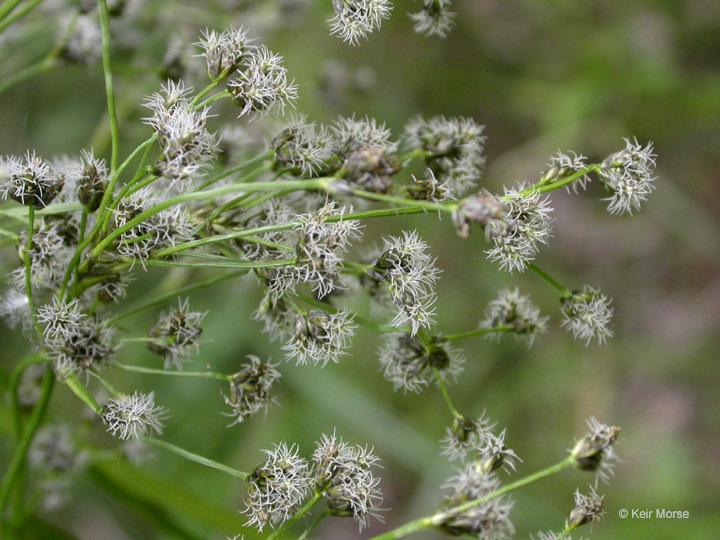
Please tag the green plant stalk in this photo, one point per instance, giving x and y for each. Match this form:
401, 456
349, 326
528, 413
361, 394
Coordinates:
20, 13
225, 174
435, 520
194, 457
306, 533
565, 292
18, 457
425, 205
7, 7
304, 510
106, 60
293, 185
480, 332
151, 371
443, 389
557, 184
13, 384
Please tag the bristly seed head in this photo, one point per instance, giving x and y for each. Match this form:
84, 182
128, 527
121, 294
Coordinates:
224, 51
344, 474
175, 336
131, 416
588, 509
320, 337
250, 389
30, 180
517, 313
587, 314
434, 18
596, 450
277, 487
628, 175
354, 19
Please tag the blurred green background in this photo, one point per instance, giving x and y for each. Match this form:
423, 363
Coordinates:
542, 75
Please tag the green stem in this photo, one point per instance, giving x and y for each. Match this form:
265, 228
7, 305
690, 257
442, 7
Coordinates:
18, 457
203, 195
7, 7
19, 14
194, 457
557, 184
44, 65
115, 136
239, 168
480, 332
425, 205
151, 371
306, 533
304, 510
168, 296
549, 279
446, 395
441, 517
13, 385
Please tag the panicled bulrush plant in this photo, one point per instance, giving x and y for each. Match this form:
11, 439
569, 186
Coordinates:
275, 200
132, 416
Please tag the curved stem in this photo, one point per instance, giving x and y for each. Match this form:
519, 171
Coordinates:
18, 457
24, 74
549, 279
194, 457
446, 395
480, 332
15, 378
304, 510
439, 518
306, 533
106, 60
151, 371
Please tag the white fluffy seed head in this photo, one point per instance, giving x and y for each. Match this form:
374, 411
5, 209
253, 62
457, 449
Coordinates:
517, 313
345, 474
434, 18
596, 450
587, 314
528, 226
628, 175
176, 334
131, 416
277, 487
354, 19
250, 389
320, 337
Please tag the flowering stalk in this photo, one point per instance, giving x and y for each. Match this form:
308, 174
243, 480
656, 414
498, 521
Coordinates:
317, 497
106, 60
193, 457
436, 519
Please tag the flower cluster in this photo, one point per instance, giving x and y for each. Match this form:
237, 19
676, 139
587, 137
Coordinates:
453, 149
344, 474
596, 450
160, 230
587, 314
187, 144
489, 519
410, 273
175, 335
277, 486
474, 436
528, 224
261, 84
515, 313
320, 337
628, 176
74, 341
354, 19
30, 180
409, 362
131, 416
250, 389
301, 148
434, 18
224, 51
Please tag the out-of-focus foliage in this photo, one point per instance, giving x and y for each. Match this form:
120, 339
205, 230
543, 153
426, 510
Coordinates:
542, 75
